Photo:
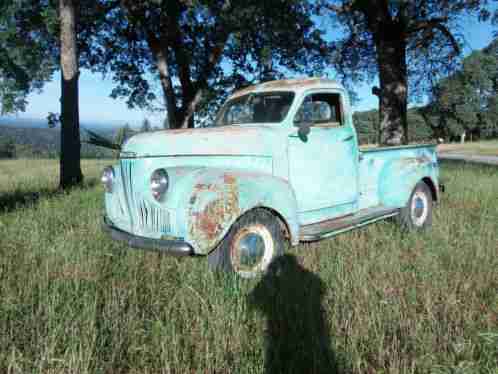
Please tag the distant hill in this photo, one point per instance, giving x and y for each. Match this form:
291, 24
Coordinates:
45, 142
39, 123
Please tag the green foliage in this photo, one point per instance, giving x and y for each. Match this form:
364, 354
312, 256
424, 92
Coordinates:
75, 301
7, 147
367, 126
26, 47
185, 44
428, 28
45, 143
466, 102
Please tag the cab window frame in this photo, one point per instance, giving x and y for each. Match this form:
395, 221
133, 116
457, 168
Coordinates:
336, 104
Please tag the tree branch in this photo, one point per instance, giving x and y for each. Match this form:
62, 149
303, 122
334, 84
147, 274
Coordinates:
436, 24
345, 8
426, 24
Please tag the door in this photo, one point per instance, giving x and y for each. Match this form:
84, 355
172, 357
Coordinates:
322, 163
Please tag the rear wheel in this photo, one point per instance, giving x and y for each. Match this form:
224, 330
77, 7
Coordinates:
417, 214
253, 242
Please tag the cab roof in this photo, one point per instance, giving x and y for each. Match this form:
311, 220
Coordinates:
296, 85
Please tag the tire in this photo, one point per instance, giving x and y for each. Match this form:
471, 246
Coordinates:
258, 228
417, 214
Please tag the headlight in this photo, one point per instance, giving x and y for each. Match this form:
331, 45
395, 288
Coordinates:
108, 178
159, 182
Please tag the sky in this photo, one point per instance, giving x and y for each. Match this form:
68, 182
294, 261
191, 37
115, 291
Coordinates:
96, 105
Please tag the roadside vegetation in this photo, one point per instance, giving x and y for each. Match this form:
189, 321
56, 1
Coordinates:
375, 300
482, 148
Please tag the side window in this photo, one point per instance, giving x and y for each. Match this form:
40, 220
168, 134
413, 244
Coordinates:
323, 109
238, 113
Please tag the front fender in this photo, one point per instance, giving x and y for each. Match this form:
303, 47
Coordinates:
216, 198
399, 177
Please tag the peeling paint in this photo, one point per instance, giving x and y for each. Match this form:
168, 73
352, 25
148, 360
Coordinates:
218, 174
288, 85
207, 222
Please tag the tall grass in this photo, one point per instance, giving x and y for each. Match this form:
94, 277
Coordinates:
373, 300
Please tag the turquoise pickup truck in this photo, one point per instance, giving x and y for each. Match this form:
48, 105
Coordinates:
281, 163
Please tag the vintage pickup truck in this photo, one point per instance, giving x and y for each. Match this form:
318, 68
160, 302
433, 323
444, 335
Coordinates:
281, 163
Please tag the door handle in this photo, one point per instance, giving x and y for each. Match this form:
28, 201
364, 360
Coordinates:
349, 138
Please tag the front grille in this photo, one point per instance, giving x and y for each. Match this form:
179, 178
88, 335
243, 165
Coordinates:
144, 215
127, 166
149, 217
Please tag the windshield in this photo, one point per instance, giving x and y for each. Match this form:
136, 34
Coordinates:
263, 107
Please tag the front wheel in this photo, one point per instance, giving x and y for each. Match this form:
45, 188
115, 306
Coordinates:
417, 214
252, 243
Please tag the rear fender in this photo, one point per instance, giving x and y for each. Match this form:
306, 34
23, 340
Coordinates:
399, 178
217, 198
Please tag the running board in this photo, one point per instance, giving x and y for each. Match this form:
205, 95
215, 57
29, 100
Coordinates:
326, 229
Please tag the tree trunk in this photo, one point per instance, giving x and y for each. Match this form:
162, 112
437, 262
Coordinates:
393, 76
70, 163
167, 86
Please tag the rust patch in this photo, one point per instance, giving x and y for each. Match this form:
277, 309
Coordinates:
207, 221
206, 225
291, 83
229, 178
205, 187
279, 84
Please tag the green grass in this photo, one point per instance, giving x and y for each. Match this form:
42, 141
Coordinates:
373, 300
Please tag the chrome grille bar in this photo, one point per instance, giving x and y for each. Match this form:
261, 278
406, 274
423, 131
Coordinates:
143, 215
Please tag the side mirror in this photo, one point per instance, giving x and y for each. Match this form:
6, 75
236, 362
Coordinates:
304, 130
304, 120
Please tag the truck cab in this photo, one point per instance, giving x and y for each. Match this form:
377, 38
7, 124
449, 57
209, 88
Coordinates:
281, 163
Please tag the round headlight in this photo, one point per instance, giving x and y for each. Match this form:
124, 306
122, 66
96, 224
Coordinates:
108, 178
159, 182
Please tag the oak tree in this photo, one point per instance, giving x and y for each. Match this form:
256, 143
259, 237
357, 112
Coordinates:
201, 49
406, 43
26, 61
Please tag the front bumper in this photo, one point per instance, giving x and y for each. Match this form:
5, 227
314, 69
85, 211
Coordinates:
169, 247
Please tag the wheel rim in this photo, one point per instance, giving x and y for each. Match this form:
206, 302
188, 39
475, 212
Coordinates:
419, 208
252, 250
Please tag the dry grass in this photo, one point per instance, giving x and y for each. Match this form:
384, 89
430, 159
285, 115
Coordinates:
372, 301
482, 148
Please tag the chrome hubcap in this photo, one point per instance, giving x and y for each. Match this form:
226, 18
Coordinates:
419, 208
252, 250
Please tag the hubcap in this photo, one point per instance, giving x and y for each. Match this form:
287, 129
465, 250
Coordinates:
252, 250
419, 208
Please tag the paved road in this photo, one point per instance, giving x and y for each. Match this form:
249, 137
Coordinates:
490, 160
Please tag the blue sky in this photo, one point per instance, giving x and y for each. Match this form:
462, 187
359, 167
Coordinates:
97, 106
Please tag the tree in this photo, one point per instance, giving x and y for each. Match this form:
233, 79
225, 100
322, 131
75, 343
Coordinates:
398, 40
70, 165
36, 38
25, 53
7, 148
465, 102
200, 49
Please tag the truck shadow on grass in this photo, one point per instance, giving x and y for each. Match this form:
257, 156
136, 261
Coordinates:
20, 198
297, 332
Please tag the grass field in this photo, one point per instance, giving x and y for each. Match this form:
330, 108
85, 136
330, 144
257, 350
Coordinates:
370, 301
481, 148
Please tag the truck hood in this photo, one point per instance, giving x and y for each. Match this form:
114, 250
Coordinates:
227, 140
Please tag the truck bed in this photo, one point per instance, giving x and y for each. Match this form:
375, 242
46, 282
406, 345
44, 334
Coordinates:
380, 163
